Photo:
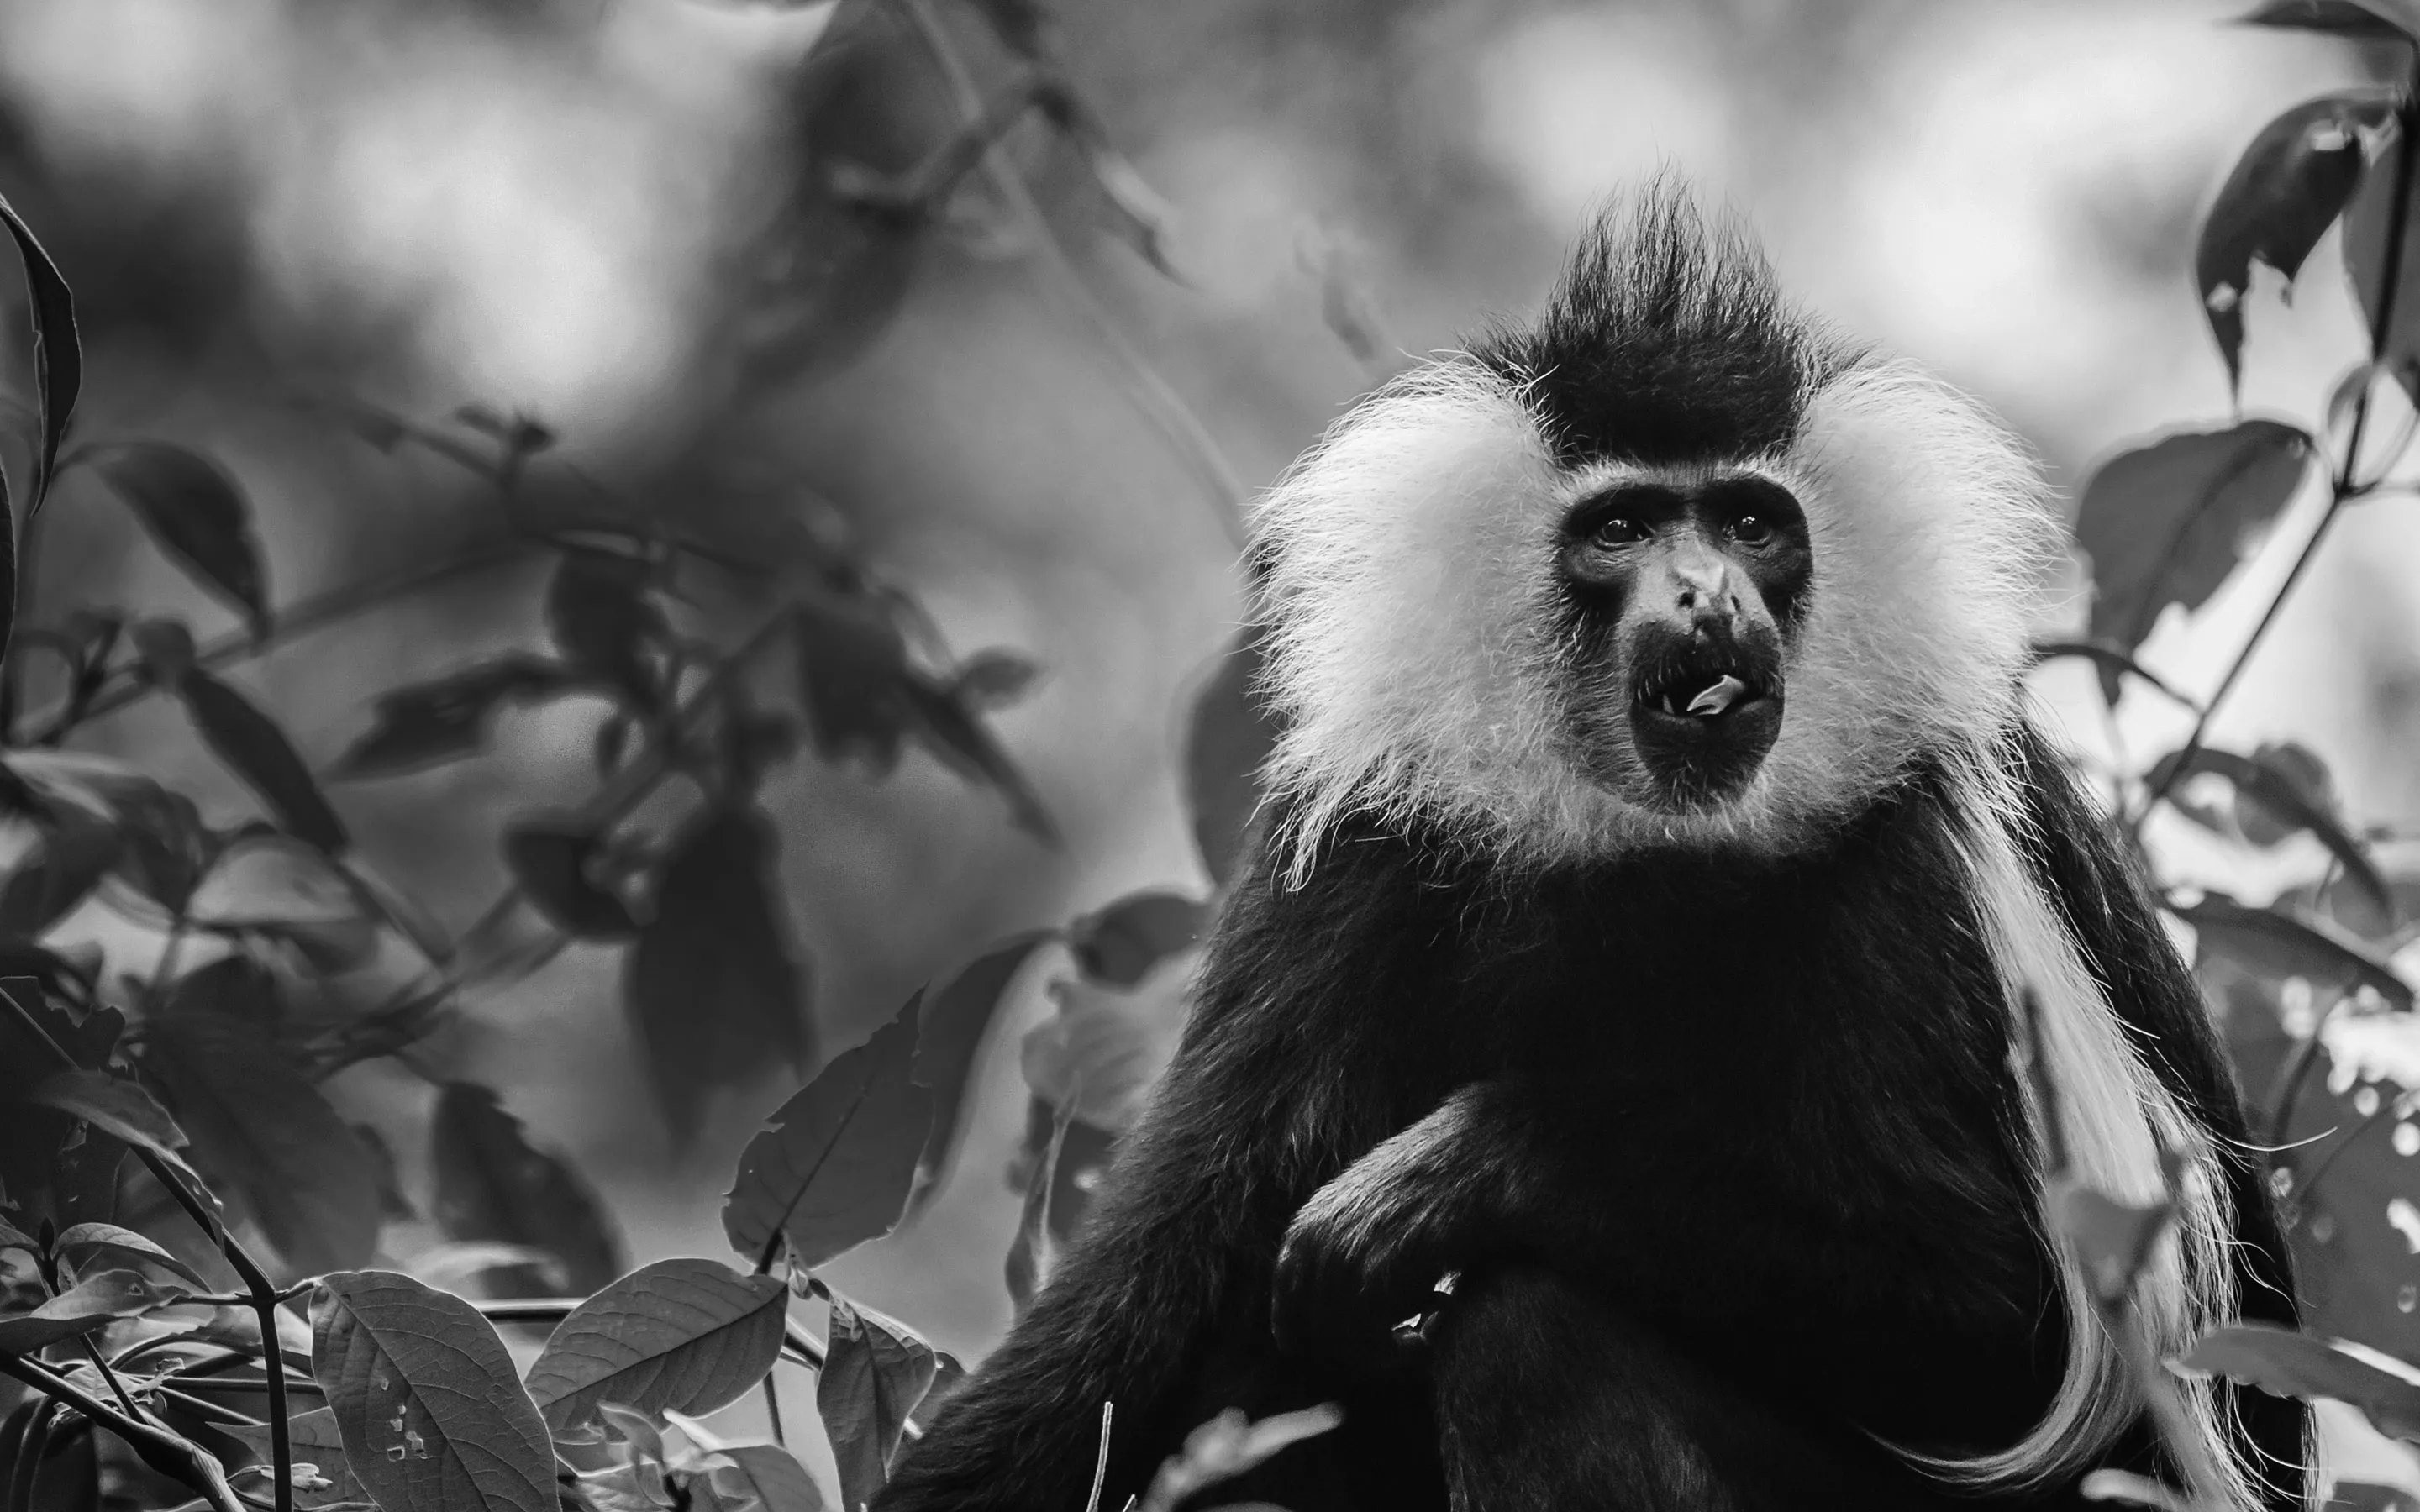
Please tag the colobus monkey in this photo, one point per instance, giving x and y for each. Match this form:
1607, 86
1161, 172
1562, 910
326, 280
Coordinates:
1657, 846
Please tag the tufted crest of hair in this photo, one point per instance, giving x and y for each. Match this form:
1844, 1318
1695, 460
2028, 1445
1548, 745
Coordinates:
1415, 647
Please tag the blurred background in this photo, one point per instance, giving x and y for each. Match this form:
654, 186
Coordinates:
617, 218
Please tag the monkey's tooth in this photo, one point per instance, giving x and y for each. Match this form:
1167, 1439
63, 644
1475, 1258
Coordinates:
1720, 696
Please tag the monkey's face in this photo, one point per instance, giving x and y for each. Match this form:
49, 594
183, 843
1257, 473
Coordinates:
1683, 593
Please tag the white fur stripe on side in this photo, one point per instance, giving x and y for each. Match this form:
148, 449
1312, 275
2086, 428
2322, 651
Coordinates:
2114, 1116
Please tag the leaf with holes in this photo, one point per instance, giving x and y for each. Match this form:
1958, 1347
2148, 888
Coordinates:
87, 1247
2284, 1363
949, 1029
556, 857
2289, 186
263, 1132
2276, 945
196, 514
2368, 20
716, 986
1227, 741
1119, 945
431, 1412
2165, 523
682, 1335
92, 1303
876, 1369
492, 1185
833, 1168
427, 723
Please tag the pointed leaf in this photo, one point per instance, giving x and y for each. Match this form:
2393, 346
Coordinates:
2111, 663
2165, 523
716, 986
431, 1412
85, 1245
92, 1304
1229, 738
196, 514
2273, 943
951, 1027
114, 1104
2285, 803
2289, 186
73, 849
427, 723
2370, 19
760, 1477
555, 858
833, 1167
256, 749
263, 1131
603, 620
2367, 231
853, 681
1119, 945
682, 1336
1030, 1253
992, 680
316, 1443
2284, 1363
58, 362
876, 1369
956, 733
492, 1185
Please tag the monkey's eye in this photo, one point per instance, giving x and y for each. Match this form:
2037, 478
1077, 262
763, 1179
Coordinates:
1751, 530
1619, 529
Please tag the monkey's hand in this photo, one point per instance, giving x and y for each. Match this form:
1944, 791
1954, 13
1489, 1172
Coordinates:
1366, 1251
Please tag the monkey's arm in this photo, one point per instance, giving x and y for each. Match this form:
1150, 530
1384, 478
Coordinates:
1368, 1248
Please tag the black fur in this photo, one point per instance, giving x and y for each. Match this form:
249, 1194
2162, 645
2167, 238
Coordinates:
1766, 1110
1665, 344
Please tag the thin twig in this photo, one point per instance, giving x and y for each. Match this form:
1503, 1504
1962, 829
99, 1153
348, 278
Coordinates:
1147, 391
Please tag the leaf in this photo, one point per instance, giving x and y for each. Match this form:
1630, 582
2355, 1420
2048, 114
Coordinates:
493, 1185
421, 725
761, 1476
953, 731
315, 1441
163, 842
2289, 186
1029, 1252
2165, 523
1228, 739
992, 680
1227, 1447
715, 984
121, 1107
2389, 20
555, 858
431, 1412
2284, 1363
683, 1335
853, 679
69, 1476
1103, 1052
263, 1131
58, 372
55, 1165
90, 1303
949, 1029
266, 881
833, 1168
73, 849
876, 1369
256, 749
602, 621
1119, 945
2285, 801
196, 514
85, 1244
2272, 942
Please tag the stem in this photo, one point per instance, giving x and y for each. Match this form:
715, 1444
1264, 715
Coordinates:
30, 1450
298, 620
263, 1295
2342, 489
163, 1451
773, 1405
1149, 393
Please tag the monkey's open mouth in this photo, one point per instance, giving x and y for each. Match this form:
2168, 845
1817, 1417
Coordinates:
1704, 692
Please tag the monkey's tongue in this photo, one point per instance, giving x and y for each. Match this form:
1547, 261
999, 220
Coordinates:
1720, 695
